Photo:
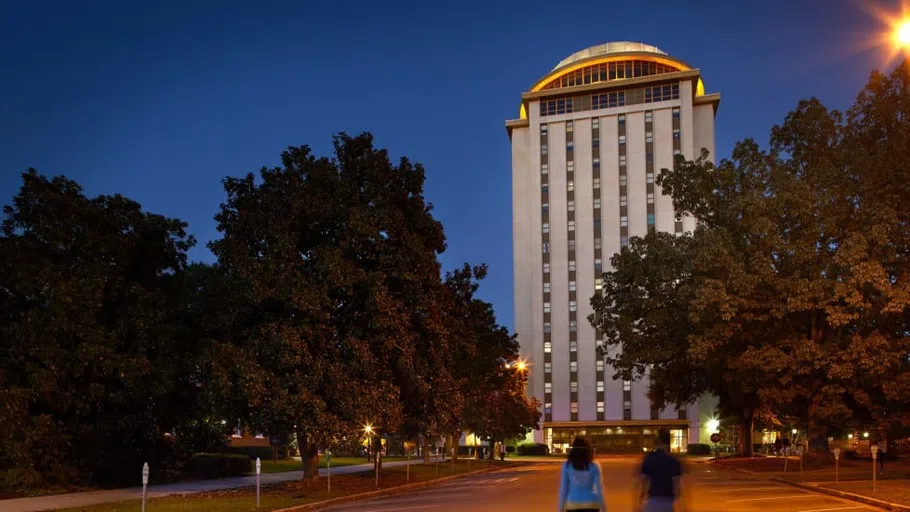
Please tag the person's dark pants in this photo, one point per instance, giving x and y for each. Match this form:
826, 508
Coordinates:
881, 462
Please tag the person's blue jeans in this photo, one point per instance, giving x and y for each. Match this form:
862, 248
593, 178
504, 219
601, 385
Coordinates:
659, 504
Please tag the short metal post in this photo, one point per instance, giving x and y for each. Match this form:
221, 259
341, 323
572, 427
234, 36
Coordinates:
258, 471
145, 482
378, 456
409, 465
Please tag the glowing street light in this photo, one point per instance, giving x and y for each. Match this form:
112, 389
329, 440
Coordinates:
521, 365
902, 34
713, 425
794, 431
849, 436
368, 429
865, 435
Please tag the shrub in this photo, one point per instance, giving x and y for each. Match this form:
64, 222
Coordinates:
219, 465
263, 452
510, 449
533, 449
699, 449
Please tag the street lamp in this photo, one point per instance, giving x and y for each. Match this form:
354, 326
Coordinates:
521, 365
902, 34
713, 425
794, 431
865, 435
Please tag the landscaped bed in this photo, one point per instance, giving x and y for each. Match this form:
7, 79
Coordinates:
298, 492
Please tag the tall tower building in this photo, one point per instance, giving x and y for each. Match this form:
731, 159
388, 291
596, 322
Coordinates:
591, 136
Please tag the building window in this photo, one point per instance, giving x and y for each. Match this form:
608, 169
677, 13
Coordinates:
573, 346
547, 367
547, 387
543, 149
569, 126
598, 283
573, 326
676, 113
545, 189
623, 222
546, 268
623, 241
622, 139
596, 182
547, 347
650, 198
545, 208
571, 265
598, 266
595, 143
547, 327
573, 306
623, 179
571, 205
570, 166
623, 201
544, 168
571, 225
649, 139
545, 227
546, 248
570, 145
649, 158
650, 177
650, 219
546, 287
649, 116
573, 366
573, 387
597, 203
596, 161
677, 152
622, 160
599, 365
543, 129
597, 243
571, 245
600, 407
548, 408
627, 385
676, 133
600, 386
546, 307
573, 408
595, 123
598, 343
570, 186
571, 286
597, 224
627, 405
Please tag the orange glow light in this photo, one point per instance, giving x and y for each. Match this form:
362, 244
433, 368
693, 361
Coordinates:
902, 33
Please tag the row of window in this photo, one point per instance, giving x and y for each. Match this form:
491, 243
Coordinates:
650, 94
609, 71
573, 386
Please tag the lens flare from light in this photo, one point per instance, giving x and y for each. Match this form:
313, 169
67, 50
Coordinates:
902, 33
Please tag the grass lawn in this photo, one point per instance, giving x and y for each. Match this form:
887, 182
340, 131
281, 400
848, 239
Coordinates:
819, 469
280, 466
289, 493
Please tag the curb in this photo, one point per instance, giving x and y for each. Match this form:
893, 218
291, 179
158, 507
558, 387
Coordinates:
384, 492
887, 505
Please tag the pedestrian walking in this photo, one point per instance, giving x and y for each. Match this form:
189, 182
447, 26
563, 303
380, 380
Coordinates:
661, 475
581, 487
778, 445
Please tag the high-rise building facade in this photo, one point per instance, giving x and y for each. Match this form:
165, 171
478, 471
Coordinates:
592, 135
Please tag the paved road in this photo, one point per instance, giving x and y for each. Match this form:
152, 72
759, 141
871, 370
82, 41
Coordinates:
81, 499
534, 488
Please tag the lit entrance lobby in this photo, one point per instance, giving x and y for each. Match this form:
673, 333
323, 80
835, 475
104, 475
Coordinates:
617, 437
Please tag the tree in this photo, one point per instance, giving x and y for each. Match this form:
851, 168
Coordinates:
330, 260
91, 308
792, 293
481, 351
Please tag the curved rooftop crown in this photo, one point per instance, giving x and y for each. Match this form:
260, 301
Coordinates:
607, 48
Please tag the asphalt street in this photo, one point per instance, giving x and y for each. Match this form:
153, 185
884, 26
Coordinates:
534, 488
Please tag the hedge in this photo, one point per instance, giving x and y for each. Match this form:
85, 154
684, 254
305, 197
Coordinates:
699, 449
263, 452
219, 465
533, 449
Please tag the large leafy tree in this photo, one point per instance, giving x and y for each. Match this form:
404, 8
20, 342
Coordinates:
333, 266
795, 293
94, 361
479, 361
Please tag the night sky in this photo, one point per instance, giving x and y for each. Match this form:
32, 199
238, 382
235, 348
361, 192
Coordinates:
160, 100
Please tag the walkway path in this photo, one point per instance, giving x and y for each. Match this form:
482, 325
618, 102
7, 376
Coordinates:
80, 499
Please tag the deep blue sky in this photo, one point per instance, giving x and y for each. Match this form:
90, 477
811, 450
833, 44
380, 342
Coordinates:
160, 100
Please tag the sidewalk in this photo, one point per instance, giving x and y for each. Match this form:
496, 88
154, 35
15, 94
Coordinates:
81, 499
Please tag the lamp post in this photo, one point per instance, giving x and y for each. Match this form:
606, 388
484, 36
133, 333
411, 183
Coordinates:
368, 430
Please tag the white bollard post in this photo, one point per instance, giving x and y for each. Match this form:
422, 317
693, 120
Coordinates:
145, 483
378, 457
258, 471
837, 464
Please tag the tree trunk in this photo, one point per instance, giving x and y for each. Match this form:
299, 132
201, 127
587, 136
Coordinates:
453, 446
426, 450
744, 431
309, 456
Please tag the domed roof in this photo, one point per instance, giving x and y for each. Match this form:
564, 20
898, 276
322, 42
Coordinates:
607, 48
